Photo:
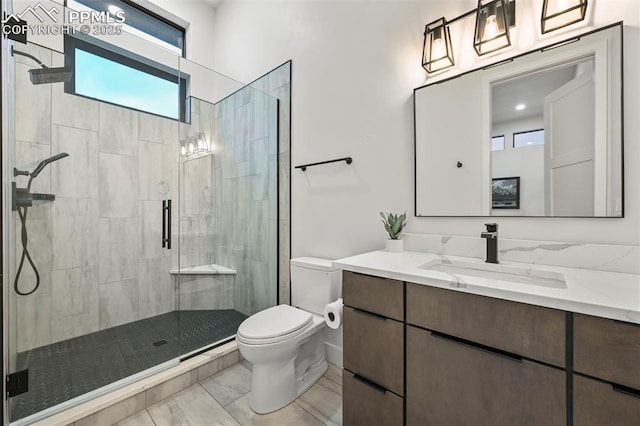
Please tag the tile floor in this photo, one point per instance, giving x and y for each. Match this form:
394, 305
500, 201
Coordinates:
223, 399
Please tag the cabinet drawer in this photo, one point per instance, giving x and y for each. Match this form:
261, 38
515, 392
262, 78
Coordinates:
452, 383
366, 405
596, 403
607, 349
373, 348
530, 331
381, 296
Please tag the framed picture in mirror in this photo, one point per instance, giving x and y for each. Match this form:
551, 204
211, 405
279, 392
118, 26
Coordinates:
505, 193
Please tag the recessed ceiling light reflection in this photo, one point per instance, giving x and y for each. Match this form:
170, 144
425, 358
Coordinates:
113, 9
520, 107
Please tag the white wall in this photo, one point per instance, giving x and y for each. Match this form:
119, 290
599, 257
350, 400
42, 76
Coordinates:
525, 162
355, 65
201, 18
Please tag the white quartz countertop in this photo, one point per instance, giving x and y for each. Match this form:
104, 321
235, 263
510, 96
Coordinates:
605, 294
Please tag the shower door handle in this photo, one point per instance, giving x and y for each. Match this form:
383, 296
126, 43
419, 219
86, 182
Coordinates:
166, 224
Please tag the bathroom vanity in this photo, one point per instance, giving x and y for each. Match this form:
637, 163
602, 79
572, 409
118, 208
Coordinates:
423, 346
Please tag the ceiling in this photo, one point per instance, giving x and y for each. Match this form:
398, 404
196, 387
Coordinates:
213, 3
529, 90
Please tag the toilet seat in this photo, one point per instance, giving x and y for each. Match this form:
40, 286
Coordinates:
273, 325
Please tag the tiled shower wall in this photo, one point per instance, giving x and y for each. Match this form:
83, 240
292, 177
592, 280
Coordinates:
229, 212
98, 245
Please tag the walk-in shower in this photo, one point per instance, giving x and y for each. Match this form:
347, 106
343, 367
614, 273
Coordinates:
113, 303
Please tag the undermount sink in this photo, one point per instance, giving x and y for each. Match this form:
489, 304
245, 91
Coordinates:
490, 271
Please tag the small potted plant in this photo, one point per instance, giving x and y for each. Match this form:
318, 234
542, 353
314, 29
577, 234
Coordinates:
394, 223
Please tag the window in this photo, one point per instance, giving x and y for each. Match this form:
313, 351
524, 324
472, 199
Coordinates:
497, 143
140, 22
107, 76
529, 138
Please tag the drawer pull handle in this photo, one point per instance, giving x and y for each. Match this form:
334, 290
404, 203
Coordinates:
626, 390
371, 314
369, 383
633, 324
478, 346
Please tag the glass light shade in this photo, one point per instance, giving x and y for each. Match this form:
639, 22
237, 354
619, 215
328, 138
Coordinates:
493, 19
437, 53
201, 142
558, 14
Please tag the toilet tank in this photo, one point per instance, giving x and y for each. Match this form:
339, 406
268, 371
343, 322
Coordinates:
314, 283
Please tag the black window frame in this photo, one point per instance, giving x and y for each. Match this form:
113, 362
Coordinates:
145, 18
513, 138
73, 43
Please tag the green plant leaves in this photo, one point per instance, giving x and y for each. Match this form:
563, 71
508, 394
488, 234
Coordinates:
393, 223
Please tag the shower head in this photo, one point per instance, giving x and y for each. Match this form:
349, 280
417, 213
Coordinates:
45, 75
50, 75
44, 163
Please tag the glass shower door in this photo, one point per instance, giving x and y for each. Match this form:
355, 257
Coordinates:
228, 207
104, 310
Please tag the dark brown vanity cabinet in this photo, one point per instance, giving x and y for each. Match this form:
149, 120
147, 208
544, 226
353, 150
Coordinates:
606, 383
453, 383
373, 375
476, 360
421, 355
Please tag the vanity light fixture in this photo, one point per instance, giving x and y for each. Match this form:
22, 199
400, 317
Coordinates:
493, 19
558, 14
195, 145
437, 53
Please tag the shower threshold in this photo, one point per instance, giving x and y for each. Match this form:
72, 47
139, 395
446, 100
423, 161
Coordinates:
71, 368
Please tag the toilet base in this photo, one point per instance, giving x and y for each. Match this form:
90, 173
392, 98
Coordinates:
277, 383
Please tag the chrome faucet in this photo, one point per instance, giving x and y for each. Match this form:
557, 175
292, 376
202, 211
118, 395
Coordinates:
491, 234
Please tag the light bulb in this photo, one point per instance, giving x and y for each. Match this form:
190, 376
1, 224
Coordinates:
192, 147
490, 28
437, 49
562, 5
183, 150
200, 144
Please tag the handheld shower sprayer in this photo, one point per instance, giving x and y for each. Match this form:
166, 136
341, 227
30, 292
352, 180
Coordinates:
46, 161
22, 200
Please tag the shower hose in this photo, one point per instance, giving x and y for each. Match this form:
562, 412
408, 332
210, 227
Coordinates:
22, 213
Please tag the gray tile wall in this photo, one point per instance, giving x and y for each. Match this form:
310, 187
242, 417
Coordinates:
98, 245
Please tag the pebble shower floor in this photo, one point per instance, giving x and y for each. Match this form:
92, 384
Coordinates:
73, 367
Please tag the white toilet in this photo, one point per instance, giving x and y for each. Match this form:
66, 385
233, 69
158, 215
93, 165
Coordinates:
286, 344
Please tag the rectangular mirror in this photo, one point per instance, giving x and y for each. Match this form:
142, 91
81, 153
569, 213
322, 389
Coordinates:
538, 135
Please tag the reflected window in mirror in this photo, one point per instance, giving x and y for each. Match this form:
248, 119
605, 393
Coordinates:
528, 138
497, 143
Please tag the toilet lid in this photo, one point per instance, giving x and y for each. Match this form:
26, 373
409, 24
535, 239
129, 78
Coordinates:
274, 322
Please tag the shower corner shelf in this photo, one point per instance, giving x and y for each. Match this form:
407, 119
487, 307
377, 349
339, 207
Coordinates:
212, 269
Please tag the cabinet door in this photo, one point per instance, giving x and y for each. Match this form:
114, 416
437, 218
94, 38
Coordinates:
367, 404
607, 349
452, 383
381, 296
529, 331
373, 348
597, 403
